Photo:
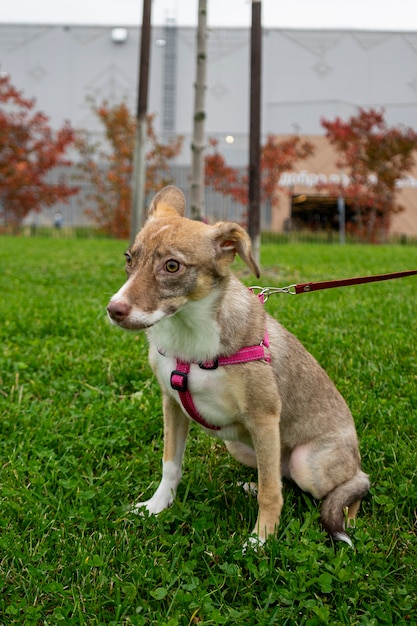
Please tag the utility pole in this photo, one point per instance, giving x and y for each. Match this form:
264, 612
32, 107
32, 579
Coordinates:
139, 166
255, 130
198, 144
342, 218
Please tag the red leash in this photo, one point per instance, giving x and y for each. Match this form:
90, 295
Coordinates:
330, 284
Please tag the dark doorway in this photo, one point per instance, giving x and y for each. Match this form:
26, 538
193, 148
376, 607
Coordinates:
318, 212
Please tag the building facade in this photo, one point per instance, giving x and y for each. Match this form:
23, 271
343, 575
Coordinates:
307, 75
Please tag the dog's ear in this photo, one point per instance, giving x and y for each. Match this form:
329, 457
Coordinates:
230, 238
169, 202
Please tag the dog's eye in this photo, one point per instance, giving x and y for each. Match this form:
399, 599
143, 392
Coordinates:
172, 266
128, 259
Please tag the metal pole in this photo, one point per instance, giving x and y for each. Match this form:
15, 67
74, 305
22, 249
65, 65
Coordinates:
255, 130
139, 166
342, 219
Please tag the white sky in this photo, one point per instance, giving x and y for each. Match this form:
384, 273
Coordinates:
357, 14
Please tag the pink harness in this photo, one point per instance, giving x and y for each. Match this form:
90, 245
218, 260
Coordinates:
179, 377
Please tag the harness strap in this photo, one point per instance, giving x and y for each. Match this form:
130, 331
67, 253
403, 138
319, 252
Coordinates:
179, 377
244, 355
179, 382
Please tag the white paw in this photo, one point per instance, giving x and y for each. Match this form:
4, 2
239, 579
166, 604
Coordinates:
251, 489
255, 542
161, 499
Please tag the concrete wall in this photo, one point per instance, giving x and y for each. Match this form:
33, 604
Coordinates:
306, 75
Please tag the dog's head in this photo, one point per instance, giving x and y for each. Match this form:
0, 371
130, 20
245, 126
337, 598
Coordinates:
175, 260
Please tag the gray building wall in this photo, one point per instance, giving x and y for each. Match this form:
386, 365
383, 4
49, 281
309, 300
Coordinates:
329, 73
307, 74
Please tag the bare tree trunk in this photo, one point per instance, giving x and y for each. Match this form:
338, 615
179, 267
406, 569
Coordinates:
198, 143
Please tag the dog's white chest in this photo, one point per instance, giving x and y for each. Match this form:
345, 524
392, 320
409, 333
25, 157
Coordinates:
208, 389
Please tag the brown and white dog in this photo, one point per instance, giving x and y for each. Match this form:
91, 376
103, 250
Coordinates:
221, 360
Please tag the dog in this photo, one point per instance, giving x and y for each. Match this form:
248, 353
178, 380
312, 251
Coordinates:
222, 361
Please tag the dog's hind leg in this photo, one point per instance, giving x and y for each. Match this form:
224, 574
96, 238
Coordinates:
332, 473
246, 455
351, 513
242, 453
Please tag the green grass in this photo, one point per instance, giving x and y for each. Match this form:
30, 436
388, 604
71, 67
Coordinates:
81, 439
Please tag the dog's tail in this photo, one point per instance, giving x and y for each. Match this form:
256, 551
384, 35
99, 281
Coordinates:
348, 495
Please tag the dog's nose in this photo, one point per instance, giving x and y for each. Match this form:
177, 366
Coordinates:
118, 310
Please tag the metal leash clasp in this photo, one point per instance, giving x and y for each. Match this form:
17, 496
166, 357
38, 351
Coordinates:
265, 292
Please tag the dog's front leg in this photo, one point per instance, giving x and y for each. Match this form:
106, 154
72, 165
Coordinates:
266, 441
175, 437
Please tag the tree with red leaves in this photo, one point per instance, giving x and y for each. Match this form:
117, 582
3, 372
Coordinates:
277, 157
373, 156
227, 180
108, 167
29, 150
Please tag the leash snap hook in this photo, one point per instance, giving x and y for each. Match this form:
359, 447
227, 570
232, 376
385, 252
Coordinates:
265, 292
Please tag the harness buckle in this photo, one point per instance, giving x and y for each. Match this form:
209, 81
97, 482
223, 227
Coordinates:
179, 380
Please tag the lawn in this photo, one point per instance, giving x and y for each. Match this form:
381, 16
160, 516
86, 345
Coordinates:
81, 440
